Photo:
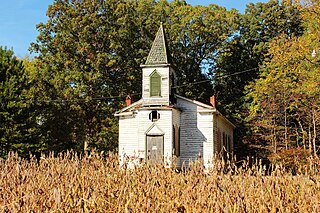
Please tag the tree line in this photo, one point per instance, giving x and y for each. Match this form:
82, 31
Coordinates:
262, 66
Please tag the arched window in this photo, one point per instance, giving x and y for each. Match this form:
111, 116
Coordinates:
155, 84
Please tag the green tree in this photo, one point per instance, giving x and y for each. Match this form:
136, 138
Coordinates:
238, 63
284, 101
79, 47
197, 36
17, 121
90, 54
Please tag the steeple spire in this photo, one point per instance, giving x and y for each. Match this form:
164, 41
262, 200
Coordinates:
158, 53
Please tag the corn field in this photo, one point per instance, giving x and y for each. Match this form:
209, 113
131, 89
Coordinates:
94, 183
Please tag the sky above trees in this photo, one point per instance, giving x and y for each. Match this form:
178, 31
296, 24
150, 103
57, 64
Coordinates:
19, 18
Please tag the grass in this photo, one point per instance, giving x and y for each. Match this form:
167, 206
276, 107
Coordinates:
93, 183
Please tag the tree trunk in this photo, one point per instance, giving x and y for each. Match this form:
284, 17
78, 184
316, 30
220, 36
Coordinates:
309, 138
297, 137
86, 144
274, 138
314, 133
303, 135
285, 128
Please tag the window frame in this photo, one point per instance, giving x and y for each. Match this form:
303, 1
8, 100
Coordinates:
155, 75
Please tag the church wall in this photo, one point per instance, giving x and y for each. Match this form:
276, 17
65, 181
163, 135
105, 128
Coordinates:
227, 129
205, 125
199, 129
128, 136
176, 122
164, 123
176, 117
194, 135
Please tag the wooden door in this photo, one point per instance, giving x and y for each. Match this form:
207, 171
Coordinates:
155, 149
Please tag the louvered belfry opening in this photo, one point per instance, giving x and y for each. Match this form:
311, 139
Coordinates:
155, 84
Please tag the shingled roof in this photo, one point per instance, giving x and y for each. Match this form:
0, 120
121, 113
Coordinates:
158, 53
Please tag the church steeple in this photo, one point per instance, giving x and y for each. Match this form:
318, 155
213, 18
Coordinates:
158, 77
158, 53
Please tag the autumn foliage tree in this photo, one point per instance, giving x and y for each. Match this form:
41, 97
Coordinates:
284, 102
239, 59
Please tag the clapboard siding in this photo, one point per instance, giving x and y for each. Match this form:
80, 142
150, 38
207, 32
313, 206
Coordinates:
205, 125
164, 72
192, 138
199, 129
128, 135
226, 128
216, 142
164, 123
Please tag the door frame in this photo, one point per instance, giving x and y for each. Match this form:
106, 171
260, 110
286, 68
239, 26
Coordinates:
146, 145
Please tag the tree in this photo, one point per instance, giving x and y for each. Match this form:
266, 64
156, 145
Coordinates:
284, 101
197, 36
79, 47
90, 54
238, 63
17, 121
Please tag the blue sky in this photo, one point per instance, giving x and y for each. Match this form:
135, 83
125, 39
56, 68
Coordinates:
18, 20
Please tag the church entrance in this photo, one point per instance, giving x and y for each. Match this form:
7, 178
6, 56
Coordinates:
155, 149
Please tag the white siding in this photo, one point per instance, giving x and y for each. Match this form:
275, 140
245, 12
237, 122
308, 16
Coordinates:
226, 128
198, 131
164, 123
128, 136
205, 125
191, 133
165, 86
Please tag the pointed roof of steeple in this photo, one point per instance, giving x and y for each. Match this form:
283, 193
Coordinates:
158, 53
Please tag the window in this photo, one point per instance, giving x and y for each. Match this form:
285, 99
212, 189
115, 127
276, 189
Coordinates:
155, 84
229, 144
154, 115
219, 147
176, 140
225, 146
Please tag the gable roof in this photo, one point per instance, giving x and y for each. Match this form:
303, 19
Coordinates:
158, 53
197, 103
209, 108
128, 108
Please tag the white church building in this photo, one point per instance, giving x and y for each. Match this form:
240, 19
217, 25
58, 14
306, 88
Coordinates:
163, 127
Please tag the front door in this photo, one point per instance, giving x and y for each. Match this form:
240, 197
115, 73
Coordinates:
155, 149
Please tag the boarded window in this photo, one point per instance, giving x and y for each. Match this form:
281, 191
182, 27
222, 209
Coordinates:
225, 146
176, 140
155, 84
229, 144
219, 142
